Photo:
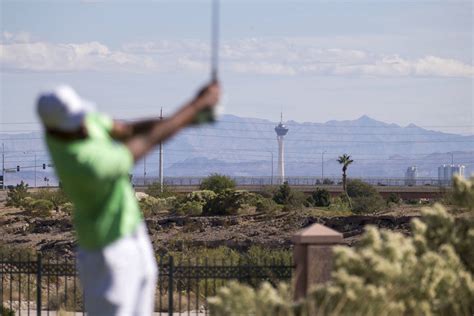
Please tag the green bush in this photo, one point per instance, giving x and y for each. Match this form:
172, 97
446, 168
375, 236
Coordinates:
192, 208
284, 195
266, 205
364, 197
67, 208
5, 311
236, 299
268, 191
393, 198
321, 197
328, 182
17, 194
230, 202
154, 190
57, 197
340, 204
463, 192
41, 208
217, 183
151, 206
202, 196
193, 203
367, 204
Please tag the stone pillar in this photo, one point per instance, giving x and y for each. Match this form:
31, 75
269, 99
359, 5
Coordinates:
312, 254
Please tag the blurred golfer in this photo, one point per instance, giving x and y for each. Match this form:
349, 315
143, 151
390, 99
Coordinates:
93, 156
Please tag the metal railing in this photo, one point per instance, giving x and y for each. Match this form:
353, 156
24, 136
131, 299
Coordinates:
37, 286
298, 181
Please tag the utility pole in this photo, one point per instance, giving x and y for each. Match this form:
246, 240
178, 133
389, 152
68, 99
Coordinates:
3, 166
35, 170
271, 180
322, 166
161, 157
144, 171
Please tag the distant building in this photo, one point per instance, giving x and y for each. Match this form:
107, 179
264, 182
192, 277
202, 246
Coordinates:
281, 130
446, 173
410, 175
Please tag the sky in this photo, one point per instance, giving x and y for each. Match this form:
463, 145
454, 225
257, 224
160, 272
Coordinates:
396, 61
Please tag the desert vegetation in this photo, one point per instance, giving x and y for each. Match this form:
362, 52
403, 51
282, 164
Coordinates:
386, 273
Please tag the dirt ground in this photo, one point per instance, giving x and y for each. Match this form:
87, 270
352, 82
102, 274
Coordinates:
55, 235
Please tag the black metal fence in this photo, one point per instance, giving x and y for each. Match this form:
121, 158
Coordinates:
37, 286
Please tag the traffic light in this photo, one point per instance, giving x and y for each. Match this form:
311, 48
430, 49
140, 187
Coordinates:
44, 166
17, 168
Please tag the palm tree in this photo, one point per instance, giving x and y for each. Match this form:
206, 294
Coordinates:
345, 160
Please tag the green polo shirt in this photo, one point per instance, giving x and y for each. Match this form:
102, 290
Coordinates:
94, 174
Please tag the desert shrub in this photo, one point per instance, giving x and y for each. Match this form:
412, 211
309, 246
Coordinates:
67, 208
328, 182
284, 195
217, 183
393, 198
356, 188
154, 190
151, 205
230, 202
192, 208
5, 311
202, 196
367, 204
297, 199
16, 195
340, 203
266, 205
267, 191
57, 197
412, 201
463, 192
193, 203
265, 301
429, 272
321, 197
364, 197
41, 208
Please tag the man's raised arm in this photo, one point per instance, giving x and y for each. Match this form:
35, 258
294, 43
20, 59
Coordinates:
141, 137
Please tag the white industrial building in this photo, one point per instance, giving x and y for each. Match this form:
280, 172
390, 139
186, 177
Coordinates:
446, 173
410, 175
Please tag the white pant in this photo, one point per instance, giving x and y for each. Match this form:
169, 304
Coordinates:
120, 279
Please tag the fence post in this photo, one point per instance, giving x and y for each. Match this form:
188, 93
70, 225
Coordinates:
313, 257
170, 286
39, 267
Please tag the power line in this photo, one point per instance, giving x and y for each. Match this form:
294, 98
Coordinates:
289, 124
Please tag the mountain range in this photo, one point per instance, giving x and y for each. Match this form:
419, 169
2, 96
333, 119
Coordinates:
240, 146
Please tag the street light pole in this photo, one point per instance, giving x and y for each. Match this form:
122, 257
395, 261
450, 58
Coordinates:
144, 171
322, 166
3, 166
35, 170
161, 157
271, 181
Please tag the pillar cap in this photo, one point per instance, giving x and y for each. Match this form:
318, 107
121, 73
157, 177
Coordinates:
317, 234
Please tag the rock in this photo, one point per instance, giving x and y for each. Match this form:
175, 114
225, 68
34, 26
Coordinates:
141, 195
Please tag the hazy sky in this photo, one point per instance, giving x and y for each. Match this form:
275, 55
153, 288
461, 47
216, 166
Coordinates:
396, 61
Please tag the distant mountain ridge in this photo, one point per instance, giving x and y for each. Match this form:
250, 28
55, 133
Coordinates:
245, 146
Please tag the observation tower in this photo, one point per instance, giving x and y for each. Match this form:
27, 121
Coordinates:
281, 130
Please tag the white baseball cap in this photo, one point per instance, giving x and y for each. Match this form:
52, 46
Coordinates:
63, 109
